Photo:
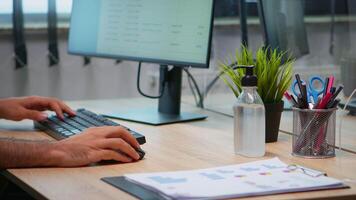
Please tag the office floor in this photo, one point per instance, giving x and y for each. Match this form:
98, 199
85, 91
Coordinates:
103, 79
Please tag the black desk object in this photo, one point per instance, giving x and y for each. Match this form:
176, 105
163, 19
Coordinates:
61, 129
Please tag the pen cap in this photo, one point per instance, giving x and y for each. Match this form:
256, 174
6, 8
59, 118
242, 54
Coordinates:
249, 80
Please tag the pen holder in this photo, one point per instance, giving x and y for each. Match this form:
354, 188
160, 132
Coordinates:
314, 133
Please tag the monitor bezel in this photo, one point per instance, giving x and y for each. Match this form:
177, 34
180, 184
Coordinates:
153, 60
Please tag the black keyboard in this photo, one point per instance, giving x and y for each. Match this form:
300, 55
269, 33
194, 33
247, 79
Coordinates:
61, 129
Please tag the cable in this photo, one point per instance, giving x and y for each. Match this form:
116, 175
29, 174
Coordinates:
142, 93
202, 96
199, 103
87, 60
193, 91
190, 80
212, 83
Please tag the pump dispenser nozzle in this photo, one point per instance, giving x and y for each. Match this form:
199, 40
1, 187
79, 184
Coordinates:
249, 80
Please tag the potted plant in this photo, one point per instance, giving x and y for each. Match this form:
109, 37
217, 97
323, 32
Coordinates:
274, 72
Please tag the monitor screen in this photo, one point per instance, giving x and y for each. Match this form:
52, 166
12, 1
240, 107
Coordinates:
174, 32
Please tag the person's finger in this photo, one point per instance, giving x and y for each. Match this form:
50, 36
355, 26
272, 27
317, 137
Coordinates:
113, 155
120, 132
34, 115
57, 109
46, 103
120, 145
36, 103
66, 108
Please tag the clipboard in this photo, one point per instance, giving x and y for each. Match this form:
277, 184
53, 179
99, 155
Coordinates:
258, 178
140, 192
133, 189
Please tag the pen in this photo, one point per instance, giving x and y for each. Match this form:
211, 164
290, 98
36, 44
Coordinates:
300, 102
299, 82
336, 103
326, 86
333, 104
293, 99
333, 89
290, 99
320, 139
318, 102
337, 92
324, 101
330, 84
304, 96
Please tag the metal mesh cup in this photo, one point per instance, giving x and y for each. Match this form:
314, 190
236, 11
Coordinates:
314, 133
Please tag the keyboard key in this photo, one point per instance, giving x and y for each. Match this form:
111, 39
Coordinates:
75, 124
82, 122
90, 119
110, 123
76, 131
60, 129
67, 133
88, 113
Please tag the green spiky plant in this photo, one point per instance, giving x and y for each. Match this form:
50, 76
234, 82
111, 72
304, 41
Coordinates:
274, 76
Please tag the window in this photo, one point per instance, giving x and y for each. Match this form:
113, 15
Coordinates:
35, 12
5, 7
38, 6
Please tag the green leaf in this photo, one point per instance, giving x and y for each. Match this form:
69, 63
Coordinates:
274, 75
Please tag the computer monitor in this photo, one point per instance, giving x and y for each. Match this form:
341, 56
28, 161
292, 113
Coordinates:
174, 32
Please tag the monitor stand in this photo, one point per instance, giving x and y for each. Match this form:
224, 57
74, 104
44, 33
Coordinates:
168, 105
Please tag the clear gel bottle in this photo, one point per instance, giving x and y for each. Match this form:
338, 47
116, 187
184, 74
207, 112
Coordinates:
249, 118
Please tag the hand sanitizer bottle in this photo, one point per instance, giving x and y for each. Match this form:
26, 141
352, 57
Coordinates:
249, 118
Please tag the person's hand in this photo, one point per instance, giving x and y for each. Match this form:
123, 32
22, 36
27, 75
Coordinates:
18, 109
94, 145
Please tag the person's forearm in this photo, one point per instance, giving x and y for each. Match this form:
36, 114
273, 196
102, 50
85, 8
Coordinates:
16, 154
2, 110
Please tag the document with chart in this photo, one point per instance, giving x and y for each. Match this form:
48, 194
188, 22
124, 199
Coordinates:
251, 179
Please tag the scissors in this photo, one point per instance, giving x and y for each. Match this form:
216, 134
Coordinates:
312, 91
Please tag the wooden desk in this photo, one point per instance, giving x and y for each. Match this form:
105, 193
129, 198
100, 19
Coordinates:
182, 146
